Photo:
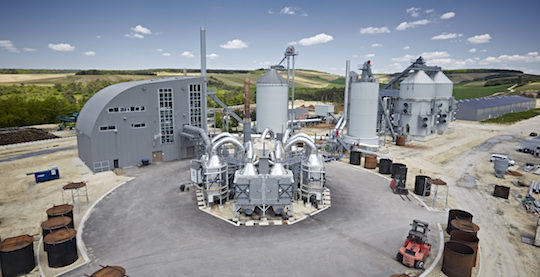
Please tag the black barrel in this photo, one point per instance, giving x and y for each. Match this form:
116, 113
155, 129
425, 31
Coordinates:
61, 247
453, 214
356, 157
419, 182
110, 271
395, 167
17, 255
62, 210
385, 166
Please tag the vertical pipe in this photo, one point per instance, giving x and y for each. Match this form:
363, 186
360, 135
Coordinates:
247, 111
292, 95
288, 86
204, 92
346, 96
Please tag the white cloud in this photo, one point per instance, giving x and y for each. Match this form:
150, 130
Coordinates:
529, 58
98, 36
448, 15
425, 55
270, 12
316, 39
479, 39
159, 50
62, 47
414, 12
293, 11
141, 29
134, 35
89, 53
8, 45
166, 54
26, 49
429, 11
406, 47
446, 36
472, 50
292, 43
406, 25
234, 44
483, 50
187, 54
212, 56
450, 63
374, 45
371, 55
374, 30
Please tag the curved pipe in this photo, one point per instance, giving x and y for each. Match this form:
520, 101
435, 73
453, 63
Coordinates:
265, 132
202, 133
218, 137
286, 135
306, 142
222, 141
249, 151
301, 135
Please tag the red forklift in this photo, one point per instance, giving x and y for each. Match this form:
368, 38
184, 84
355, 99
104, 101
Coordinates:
416, 248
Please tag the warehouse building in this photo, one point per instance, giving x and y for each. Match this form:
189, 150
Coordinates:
478, 109
127, 122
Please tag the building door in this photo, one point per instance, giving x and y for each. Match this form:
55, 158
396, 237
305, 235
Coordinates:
157, 156
115, 163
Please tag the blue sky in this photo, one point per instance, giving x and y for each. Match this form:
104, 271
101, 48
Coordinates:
254, 34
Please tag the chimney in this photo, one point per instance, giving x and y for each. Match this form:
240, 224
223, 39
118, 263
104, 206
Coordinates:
247, 112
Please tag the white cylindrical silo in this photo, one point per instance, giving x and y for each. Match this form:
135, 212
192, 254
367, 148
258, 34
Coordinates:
363, 112
418, 85
272, 101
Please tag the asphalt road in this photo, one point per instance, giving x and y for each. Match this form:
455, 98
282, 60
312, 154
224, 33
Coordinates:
152, 229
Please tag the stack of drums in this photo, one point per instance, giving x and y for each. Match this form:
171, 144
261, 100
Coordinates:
370, 161
62, 210
355, 157
457, 259
460, 214
61, 247
53, 224
385, 166
110, 271
419, 183
464, 225
17, 255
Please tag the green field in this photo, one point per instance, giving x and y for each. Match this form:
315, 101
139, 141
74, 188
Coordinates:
466, 92
513, 117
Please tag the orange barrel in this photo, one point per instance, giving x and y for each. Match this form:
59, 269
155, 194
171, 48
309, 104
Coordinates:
370, 161
400, 140
464, 225
467, 239
454, 213
457, 259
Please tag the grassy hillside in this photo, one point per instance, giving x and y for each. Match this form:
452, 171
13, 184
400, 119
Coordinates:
38, 96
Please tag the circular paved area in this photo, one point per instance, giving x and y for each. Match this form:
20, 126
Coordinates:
152, 229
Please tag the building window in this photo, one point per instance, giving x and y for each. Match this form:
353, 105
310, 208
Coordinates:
125, 109
105, 128
138, 125
195, 105
101, 166
166, 114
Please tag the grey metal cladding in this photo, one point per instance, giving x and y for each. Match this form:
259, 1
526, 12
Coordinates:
118, 140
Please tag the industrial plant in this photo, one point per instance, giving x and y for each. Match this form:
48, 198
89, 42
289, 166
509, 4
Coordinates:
275, 198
